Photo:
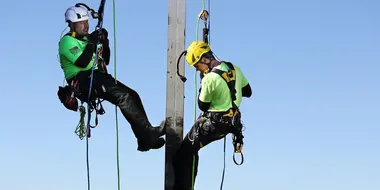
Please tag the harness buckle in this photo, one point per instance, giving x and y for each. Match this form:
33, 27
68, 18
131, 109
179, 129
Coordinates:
229, 113
237, 141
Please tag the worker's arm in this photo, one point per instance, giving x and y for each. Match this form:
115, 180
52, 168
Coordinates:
246, 91
205, 94
85, 58
246, 88
69, 48
106, 52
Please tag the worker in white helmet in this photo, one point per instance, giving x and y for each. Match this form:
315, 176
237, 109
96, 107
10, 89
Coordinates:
77, 52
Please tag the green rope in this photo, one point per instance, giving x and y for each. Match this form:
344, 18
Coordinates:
116, 118
196, 91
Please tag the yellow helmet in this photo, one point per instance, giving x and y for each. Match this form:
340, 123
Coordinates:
195, 52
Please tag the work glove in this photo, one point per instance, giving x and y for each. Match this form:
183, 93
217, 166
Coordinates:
103, 35
104, 38
96, 36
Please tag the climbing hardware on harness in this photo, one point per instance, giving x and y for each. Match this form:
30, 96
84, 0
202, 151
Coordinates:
234, 113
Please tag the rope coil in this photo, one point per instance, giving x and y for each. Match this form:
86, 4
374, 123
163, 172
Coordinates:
80, 127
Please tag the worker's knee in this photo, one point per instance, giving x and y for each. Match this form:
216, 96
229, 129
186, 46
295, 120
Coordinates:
210, 131
203, 132
206, 128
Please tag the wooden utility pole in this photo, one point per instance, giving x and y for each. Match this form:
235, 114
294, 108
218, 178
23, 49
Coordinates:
174, 85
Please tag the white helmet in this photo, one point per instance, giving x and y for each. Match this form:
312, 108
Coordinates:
76, 14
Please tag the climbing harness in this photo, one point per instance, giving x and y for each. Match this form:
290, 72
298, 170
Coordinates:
231, 117
234, 113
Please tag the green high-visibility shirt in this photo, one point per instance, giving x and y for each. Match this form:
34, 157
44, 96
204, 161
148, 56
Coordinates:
70, 48
215, 89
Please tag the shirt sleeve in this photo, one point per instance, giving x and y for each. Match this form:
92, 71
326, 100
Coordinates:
68, 47
244, 80
206, 91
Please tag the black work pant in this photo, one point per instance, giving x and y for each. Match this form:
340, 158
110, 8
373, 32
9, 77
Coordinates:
105, 87
203, 132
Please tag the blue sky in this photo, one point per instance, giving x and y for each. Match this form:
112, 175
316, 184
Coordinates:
312, 122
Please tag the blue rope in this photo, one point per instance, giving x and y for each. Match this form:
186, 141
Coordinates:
89, 107
89, 115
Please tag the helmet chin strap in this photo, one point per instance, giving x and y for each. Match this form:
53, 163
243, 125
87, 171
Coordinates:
73, 31
75, 34
209, 65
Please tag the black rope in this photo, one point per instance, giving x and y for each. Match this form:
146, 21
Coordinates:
224, 164
209, 21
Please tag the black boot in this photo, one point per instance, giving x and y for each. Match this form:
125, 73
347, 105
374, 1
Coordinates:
145, 145
159, 130
154, 139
